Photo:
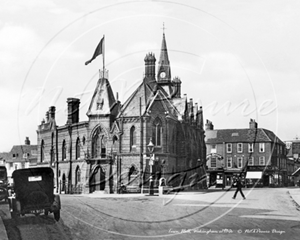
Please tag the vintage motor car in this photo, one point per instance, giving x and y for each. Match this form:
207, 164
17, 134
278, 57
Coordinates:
33, 192
3, 184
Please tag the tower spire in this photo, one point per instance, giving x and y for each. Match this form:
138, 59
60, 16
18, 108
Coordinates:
164, 71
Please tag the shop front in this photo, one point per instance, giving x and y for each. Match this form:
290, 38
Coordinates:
215, 177
231, 174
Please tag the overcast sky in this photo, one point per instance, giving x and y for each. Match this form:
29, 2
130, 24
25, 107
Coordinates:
238, 59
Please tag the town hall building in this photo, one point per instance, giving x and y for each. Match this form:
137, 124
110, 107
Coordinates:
156, 133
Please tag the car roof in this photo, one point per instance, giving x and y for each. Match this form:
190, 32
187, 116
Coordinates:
33, 172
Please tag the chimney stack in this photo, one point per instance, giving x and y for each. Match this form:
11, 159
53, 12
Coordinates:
27, 141
52, 112
73, 110
150, 65
177, 88
47, 116
252, 124
209, 125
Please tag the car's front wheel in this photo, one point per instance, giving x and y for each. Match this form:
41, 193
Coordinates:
56, 215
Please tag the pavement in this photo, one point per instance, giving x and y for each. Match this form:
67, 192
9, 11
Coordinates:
3, 233
293, 191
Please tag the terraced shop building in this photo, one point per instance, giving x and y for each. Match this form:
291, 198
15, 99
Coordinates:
111, 147
255, 152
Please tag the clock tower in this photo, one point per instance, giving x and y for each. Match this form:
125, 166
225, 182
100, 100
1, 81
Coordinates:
164, 70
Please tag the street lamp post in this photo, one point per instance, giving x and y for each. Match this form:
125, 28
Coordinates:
151, 162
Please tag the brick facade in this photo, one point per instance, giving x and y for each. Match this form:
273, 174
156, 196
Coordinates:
113, 142
241, 151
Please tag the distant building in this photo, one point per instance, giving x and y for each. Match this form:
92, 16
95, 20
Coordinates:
293, 155
257, 151
20, 156
112, 145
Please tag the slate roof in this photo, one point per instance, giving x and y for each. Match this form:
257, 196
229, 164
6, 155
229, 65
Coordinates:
131, 107
19, 150
103, 94
241, 135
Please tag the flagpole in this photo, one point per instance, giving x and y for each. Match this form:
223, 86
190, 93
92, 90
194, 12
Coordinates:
103, 54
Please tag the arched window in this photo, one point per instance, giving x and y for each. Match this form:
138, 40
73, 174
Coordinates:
77, 155
64, 151
77, 175
132, 138
132, 171
95, 144
52, 140
174, 140
99, 142
103, 146
52, 149
115, 144
157, 132
42, 151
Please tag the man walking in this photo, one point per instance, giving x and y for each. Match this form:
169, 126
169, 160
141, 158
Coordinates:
238, 184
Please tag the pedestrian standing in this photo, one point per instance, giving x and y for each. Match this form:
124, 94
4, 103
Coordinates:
238, 184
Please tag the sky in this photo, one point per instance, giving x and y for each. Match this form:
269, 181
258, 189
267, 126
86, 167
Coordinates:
238, 59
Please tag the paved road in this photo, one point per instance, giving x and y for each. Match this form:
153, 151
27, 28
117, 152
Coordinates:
265, 214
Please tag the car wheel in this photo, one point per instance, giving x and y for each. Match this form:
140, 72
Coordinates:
56, 215
14, 215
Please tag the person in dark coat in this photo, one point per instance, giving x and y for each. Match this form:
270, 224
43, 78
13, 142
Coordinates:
238, 184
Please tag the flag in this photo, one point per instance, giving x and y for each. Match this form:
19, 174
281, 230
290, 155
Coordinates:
99, 50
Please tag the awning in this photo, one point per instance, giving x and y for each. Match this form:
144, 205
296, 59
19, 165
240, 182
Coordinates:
254, 175
296, 172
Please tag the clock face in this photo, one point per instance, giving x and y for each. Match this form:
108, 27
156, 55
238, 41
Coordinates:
162, 74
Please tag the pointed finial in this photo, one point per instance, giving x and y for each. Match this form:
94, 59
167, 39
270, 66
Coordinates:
163, 28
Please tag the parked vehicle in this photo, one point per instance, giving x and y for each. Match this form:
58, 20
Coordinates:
3, 184
33, 192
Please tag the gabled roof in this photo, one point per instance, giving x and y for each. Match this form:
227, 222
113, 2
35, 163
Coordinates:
20, 150
167, 107
181, 105
4, 155
103, 99
241, 135
132, 105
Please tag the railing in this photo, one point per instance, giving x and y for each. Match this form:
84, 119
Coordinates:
65, 188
